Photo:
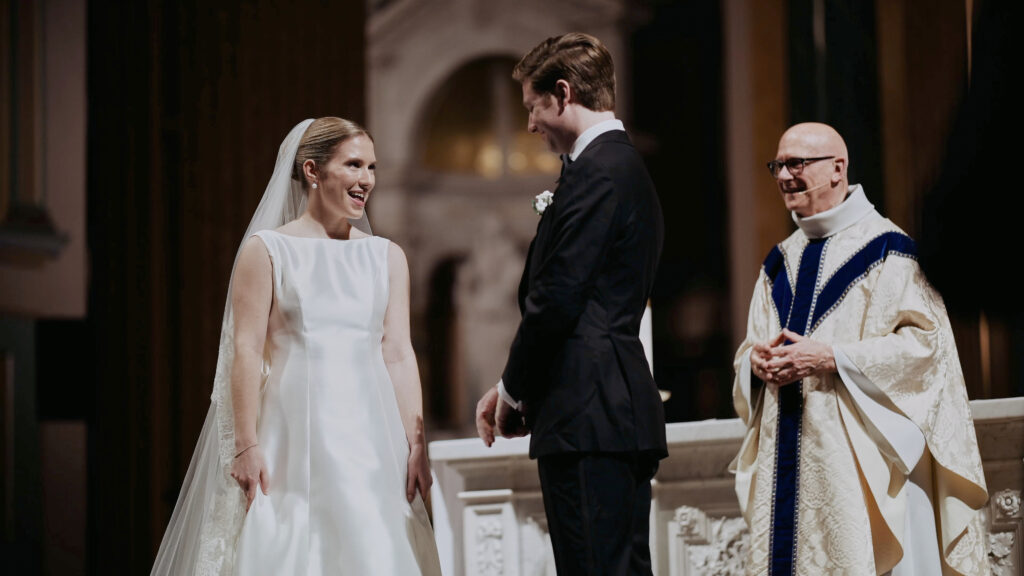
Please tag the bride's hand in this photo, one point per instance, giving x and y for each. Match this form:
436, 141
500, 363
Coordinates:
250, 469
419, 472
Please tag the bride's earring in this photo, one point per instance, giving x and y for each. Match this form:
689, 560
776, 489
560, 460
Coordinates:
314, 185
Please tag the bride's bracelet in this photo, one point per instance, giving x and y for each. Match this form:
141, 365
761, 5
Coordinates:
244, 450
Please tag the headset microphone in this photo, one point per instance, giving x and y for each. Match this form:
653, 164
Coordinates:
818, 187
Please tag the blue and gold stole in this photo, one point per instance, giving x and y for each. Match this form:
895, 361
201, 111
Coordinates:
802, 310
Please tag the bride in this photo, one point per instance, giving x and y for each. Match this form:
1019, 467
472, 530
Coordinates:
313, 450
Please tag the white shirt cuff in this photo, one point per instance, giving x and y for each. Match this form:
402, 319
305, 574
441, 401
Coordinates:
507, 398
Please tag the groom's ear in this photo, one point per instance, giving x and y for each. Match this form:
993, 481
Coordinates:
563, 94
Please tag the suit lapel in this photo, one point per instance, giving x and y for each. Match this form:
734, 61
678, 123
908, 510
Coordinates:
532, 257
524, 282
538, 247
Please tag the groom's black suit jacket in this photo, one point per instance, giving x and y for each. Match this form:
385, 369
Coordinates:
576, 361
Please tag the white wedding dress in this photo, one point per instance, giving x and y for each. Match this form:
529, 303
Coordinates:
329, 424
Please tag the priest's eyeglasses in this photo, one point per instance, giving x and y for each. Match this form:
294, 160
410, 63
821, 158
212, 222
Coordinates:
794, 165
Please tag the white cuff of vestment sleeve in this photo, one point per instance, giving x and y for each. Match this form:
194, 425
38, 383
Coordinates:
744, 376
507, 398
899, 432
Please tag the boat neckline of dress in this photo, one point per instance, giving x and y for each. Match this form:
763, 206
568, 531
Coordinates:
317, 237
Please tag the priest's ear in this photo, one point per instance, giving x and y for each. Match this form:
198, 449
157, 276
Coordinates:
838, 169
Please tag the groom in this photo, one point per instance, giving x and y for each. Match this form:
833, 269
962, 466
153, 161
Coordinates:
577, 377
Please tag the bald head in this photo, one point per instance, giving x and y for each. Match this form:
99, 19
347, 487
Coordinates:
816, 136
821, 182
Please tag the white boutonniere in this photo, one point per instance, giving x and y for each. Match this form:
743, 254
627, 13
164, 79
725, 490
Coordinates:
542, 201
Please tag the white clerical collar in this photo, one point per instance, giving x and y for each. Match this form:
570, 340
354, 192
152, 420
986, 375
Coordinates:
847, 213
589, 134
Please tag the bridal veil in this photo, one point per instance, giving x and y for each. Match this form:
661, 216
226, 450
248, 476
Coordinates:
200, 538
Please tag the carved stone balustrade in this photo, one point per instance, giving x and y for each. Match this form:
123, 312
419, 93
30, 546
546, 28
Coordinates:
489, 516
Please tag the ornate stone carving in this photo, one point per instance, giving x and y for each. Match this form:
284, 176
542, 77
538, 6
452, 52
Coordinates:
490, 560
1006, 504
1005, 522
714, 546
694, 526
537, 558
1000, 546
485, 297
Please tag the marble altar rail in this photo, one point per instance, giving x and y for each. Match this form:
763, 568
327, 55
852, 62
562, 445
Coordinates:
489, 517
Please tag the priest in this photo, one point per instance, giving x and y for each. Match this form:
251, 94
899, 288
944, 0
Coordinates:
860, 455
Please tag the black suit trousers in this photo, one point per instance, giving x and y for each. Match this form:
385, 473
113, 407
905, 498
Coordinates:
598, 509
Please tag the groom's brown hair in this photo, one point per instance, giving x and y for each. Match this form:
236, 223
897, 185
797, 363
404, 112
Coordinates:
579, 59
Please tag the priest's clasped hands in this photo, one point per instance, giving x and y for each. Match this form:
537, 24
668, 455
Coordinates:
778, 363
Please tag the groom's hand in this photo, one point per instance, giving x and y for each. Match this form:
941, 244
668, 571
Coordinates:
485, 411
510, 421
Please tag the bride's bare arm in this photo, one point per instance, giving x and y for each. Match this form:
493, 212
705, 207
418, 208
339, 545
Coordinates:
400, 359
251, 297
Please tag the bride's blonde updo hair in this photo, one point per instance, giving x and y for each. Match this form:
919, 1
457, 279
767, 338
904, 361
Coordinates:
320, 142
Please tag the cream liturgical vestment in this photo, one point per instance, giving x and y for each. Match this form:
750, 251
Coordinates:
876, 468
